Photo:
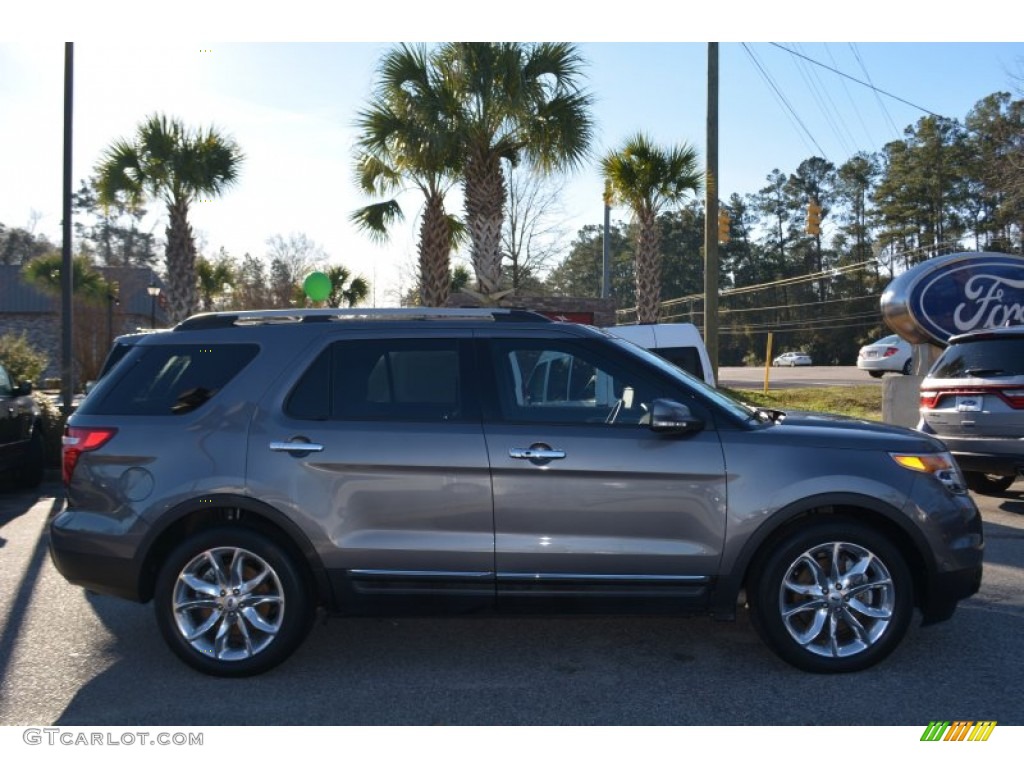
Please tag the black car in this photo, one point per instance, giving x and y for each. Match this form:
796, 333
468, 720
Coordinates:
22, 450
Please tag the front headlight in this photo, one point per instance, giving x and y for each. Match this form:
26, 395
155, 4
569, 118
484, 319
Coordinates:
942, 465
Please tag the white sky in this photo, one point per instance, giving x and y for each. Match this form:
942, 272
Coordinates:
291, 105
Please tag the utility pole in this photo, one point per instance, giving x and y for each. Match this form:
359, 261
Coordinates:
67, 275
711, 215
606, 260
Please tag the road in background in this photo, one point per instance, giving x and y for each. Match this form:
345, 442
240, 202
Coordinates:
801, 376
70, 658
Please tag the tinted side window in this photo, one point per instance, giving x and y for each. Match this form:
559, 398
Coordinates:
173, 379
113, 358
683, 357
5, 383
383, 379
569, 383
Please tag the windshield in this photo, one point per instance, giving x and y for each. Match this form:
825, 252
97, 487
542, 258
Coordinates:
736, 408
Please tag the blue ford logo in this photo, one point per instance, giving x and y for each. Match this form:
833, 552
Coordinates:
954, 294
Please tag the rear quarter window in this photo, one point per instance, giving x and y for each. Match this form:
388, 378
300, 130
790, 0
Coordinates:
172, 379
991, 357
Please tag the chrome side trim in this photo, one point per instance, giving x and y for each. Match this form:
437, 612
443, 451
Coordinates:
599, 577
374, 573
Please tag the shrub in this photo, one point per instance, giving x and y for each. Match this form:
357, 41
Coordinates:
22, 361
53, 428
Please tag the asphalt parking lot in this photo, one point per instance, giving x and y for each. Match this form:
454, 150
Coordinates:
69, 658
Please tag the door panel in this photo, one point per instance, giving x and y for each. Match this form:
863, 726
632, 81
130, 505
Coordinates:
598, 499
395, 487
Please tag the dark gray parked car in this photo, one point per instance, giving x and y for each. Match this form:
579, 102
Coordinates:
973, 400
22, 449
244, 469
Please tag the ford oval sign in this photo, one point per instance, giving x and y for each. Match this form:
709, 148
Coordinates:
954, 294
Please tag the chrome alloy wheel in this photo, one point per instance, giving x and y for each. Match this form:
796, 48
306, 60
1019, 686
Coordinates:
837, 599
228, 603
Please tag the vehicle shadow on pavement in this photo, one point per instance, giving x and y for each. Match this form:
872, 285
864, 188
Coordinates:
22, 595
551, 671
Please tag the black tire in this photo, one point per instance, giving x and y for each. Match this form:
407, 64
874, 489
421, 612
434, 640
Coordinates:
258, 603
869, 621
988, 485
908, 366
875, 374
34, 467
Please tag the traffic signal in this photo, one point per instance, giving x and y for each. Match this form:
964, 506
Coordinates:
723, 226
813, 218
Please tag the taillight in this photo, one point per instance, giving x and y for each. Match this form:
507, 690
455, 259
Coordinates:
1014, 397
890, 351
78, 440
930, 399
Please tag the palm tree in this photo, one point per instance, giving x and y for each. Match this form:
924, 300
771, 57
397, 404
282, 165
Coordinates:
169, 162
215, 278
647, 179
345, 292
401, 146
44, 272
509, 102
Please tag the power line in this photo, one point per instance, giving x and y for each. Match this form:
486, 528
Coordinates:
802, 304
785, 281
878, 99
853, 106
824, 101
782, 98
854, 79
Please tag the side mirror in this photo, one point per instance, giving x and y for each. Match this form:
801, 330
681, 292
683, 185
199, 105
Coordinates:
670, 417
25, 388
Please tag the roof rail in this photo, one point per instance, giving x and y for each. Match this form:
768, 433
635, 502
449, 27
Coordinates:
211, 320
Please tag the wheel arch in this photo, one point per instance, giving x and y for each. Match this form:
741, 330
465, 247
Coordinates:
217, 510
880, 516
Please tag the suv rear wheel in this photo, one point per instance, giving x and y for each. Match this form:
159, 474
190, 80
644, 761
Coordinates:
230, 602
989, 485
834, 596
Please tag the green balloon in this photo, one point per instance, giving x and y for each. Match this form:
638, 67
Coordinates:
317, 286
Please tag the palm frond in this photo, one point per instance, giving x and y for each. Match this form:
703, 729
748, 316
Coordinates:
376, 219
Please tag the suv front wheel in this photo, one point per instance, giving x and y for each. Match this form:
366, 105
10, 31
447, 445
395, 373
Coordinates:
231, 602
834, 596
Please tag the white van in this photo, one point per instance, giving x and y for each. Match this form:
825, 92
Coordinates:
679, 343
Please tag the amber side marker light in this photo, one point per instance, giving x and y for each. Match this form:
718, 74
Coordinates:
941, 465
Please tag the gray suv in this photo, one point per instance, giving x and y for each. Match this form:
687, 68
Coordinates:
245, 469
973, 400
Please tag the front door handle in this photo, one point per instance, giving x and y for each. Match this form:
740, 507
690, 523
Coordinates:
296, 446
536, 453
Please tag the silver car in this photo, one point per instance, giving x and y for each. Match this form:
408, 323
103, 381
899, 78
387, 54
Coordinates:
973, 400
792, 359
245, 469
890, 354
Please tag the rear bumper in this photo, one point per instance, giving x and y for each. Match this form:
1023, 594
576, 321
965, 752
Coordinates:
993, 456
880, 364
95, 560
